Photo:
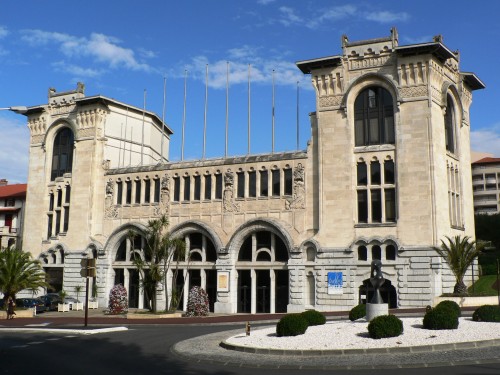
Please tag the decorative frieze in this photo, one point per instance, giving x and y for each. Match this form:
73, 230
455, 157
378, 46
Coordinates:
368, 62
228, 197
330, 101
110, 210
37, 125
297, 201
413, 91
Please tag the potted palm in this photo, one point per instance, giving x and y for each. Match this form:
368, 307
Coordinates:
62, 307
93, 303
79, 305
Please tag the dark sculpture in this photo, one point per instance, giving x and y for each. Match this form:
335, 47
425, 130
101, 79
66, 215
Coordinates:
377, 280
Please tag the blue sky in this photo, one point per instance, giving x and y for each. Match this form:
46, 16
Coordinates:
120, 51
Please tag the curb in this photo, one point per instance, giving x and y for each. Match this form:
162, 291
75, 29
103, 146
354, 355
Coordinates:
66, 330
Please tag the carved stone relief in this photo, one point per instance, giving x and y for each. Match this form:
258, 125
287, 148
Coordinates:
413, 92
164, 206
110, 210
297, 201
228, 196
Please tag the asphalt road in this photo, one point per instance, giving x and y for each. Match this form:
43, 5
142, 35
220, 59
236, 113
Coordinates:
147, 350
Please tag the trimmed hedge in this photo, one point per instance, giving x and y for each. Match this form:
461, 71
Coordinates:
441, 318
385, 326
357, 312
314, 318
487, 313
451, 305
291, 325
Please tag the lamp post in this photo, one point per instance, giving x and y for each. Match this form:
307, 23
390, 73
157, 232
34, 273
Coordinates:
20, 109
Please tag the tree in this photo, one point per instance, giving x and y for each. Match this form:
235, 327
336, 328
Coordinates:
18, 271
159, 253
459, 253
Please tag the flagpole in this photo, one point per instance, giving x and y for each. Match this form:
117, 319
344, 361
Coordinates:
205, 114
184, 115
143, 116
163, 116
227, 105
272, 136
298, 115
249, 67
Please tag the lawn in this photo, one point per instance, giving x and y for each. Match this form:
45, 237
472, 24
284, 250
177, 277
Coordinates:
484, 286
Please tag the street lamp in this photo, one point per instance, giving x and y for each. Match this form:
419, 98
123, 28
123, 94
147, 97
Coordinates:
20, 109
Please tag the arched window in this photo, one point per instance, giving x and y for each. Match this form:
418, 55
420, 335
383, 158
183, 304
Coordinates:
449, 124
374, 117
62, 153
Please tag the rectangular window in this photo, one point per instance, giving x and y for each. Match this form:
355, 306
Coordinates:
241, 185
390, 205
138, 191
376, 205
197, 188
128, 193
66, 219
119, 192
187, 188
264, 191
58, 222
67, 198
177, 189
362, 206
375, 173
389, 172
252, 184
362, 174
49, 226
275, 174
51, 202
359, 133
288, 181
156, 198
147, 191
208, 186
59, 198
218, 186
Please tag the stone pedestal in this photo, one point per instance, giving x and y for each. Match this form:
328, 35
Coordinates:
376, 309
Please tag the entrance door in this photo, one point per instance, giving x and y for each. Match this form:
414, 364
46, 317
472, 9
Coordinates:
282, 291
133, 293
211, 288
263, 291
244, 291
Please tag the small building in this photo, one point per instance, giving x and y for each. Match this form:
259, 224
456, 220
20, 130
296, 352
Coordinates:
386, 175
12, 203
486, 185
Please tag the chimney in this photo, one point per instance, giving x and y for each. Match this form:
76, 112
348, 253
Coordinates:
3, 182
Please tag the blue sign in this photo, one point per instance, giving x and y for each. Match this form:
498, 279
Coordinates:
335, 283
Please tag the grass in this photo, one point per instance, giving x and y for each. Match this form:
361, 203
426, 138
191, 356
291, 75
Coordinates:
484, 286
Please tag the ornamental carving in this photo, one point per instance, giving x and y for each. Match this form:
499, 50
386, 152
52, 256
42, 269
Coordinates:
110, 210
413, 92
37, 125
228, 196
297, 201
84, 133
37, 139
164, 207
330, 101
370, 62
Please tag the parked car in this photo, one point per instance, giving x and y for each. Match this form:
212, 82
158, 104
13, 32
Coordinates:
51, 300
29, 303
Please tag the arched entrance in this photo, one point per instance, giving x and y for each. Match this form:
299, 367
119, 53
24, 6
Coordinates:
387, 291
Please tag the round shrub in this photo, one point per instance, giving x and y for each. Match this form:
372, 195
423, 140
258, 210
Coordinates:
118, 300
385, 326
357, 312
450, 305
442, 318
314, 318
197, 302
291, 325
487, 313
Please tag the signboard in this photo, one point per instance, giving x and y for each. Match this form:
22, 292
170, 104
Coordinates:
223, 281
88, 267
335, 283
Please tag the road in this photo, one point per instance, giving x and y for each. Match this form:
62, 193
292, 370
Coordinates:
147, 349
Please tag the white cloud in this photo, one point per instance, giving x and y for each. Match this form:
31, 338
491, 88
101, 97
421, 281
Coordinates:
14, 149
332, 14
76, 70
3, 32
288, 17
265, 2
102, 48
387, 17
486, 140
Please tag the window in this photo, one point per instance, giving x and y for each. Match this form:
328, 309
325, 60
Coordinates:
147, 190
156, 198
59, 198
62, 153
177, 189
252, 184
218, 186
390, 252
197, 188
187, 188
51, 202
449, 125
49, 226
376, 253
264, 190
66, 219
275, 175
208, 186
374, 117
128, 193
241, 185
288, 181
376, 197
58, 222
137, 191
362, 253
67, 197
119, 192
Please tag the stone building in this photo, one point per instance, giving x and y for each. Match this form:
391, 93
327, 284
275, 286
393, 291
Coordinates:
486, 185
386, 175
12, 203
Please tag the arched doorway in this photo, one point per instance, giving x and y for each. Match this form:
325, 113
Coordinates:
263, 280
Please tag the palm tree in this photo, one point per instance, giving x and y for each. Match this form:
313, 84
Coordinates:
459, 253
18, 271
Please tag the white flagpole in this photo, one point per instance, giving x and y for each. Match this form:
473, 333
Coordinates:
120, 150
142, 141
163, 116
227, 105
298, 88
184, 115
249, 67
205, 114
125, 139
272, 136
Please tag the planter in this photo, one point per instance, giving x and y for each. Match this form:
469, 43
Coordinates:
469, 301
28, 313
93, 304
63, 307
78, 306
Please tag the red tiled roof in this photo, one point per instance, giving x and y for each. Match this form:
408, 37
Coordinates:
487, 160
13, 191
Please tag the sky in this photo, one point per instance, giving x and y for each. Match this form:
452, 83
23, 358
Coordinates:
128, 51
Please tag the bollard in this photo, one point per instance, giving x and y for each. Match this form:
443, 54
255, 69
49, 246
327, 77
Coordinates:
248, 328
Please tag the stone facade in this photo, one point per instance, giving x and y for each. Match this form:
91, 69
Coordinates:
12, 204
486, 185
386, 175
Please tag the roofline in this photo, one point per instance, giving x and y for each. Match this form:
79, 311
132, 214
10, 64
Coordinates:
436, 48
487, 160
472, 81
306, 66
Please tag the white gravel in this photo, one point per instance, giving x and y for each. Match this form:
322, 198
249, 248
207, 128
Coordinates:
354, 335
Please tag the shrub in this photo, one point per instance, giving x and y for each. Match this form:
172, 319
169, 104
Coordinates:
314, 318
487, 313
450, 305
197, 302
291, 325
357, 312
441, 318
385, 326
118, 300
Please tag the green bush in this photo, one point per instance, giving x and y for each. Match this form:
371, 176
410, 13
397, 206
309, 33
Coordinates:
357, 312
450, 305
291, 325
314, 318
487, 313
441, 318
385, 326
